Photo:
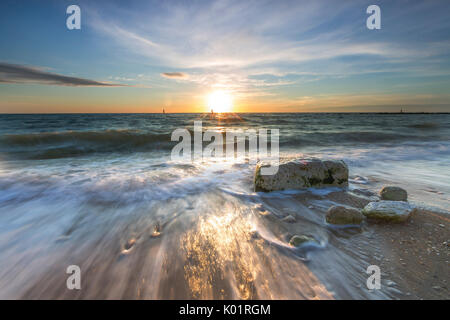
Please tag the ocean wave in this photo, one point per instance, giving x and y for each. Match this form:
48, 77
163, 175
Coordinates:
424, 125
349, 137
134, 137
53, 145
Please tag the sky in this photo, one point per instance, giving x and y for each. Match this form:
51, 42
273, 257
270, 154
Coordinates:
266, 56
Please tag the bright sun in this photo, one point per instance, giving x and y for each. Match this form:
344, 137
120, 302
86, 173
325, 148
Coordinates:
220, 101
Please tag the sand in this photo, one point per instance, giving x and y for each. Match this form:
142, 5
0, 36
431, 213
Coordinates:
243, 252
417, 254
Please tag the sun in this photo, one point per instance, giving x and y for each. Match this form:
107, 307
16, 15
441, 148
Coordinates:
220, 101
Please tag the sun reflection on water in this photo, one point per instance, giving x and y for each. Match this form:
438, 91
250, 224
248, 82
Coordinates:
218, 250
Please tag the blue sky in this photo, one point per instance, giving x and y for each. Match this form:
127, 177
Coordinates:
285, 56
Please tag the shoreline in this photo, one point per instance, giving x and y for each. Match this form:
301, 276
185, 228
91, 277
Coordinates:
196, 258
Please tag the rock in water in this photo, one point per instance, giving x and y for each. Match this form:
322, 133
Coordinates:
344, 215
393, 193
297, 241
389, 211
289, 219
303, 173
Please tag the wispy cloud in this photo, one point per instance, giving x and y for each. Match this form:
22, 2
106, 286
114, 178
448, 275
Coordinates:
14, 73
225, 43
242, 34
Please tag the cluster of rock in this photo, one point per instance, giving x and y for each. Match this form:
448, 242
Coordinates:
384, 210
312, 172
391, 208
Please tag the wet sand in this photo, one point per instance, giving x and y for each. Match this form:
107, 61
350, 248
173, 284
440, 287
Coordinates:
242, 251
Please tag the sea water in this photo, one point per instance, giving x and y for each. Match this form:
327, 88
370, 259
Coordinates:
75, 188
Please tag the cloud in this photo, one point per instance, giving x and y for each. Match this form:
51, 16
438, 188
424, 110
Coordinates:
236, 34
269, 48
175, 75
13, 73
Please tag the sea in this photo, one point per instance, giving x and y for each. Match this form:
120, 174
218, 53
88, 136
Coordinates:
101, 191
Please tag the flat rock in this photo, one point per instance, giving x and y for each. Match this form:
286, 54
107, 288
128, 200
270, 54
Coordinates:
393, 193
389, 211
344, 215
302, 173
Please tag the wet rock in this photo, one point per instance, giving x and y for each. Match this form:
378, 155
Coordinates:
388, 211
393, 194
289, 219
129, 245
302, 173
156, 230
437, 288
297, 241
390, 283
344, 215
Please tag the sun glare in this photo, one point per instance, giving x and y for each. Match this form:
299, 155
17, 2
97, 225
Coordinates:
220, 101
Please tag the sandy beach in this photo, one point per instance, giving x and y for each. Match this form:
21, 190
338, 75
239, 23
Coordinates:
253, 251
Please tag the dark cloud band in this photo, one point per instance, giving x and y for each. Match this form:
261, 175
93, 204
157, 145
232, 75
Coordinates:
174, 75
13, 73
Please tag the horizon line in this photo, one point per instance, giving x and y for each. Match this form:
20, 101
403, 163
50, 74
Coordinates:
287, 112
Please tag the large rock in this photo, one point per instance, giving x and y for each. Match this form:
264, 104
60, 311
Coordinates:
344, 215
393, 193
302, 173
389, 211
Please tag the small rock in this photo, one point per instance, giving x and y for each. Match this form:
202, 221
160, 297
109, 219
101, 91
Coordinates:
437, 288
344, 215
156, 230
129, 245
442, 226
393, 194
297, 241
289, 219
388, 211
